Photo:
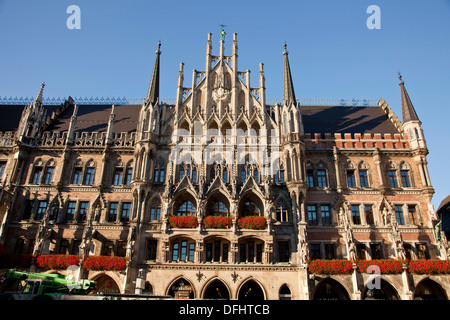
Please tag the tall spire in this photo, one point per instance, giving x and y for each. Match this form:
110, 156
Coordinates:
153, 90
288, 88
40, 94
408, 112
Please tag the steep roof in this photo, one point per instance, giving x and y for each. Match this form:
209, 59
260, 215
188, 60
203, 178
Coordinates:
323, 119
288, 86
408, 111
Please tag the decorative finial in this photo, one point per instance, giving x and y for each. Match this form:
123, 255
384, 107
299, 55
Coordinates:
222, 32
159, 47
400, 78
285, 48
41, 93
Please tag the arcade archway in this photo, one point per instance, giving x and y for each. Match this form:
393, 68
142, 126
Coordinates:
105, 284
385, 292
251, 291
428, 289
216, 290
330, 289
181, 289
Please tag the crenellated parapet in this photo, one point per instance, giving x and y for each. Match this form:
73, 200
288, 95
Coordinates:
87, 139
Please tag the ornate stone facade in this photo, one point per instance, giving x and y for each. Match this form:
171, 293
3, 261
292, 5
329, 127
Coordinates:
330, 182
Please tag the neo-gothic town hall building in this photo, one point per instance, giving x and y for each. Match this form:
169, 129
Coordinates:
222, 195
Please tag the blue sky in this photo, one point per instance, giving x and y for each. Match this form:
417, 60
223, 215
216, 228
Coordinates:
332, 52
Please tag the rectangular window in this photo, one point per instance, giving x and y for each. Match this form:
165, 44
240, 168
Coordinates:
128, 176
75, 247
251, 251
29, 207
361, 251
408, 251
259, 250
113, 207
322, 179
89, 178
152, 246
225, 252
175, 251
325, 214
375, 249
108, 248
368, 211
393, 179
314, 251
283, 251
194, 176
209, 251
70, 214
77, 176
191, 251
2, 168
82, 214
351, 182
312, 215
399, 215
422, 253
121, 248
242, 252
37, 175
49, 175
363, 179
42, 207
216, 251
64, 247
126, 211
405, 179
183, 253
118, 177
310, 178
412, 215
329, 251
355, 215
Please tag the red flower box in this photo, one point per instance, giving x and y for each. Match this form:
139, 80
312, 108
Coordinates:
252, 222
56, 261
105, 263
319, 266
429, 266
387, 266
217, 222
183, 221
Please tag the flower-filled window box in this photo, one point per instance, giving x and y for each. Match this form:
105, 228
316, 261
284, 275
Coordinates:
183, 221
105, 263
319, 266
252, 222
217, 222
429, 266
387, 266
56, 261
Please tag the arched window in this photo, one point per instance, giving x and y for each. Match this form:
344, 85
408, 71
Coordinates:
279, 175
90, 173
187, 208
243, 175
282, 212
181, 171
285, 293
155, 210
37, 172
218, 208
225, 175
194, 174
405, 175
256, 174
250, 209
160, 172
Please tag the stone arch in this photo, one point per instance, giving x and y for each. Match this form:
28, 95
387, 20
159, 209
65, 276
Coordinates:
106, 283
181, 197
246, 203
428, 289
386, 292
330, 289
215, 197
216, 288
181, 287
251, 289
285, 292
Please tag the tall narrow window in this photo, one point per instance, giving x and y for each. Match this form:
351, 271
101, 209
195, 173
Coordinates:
70, 214
194, 175
77, 176
181, 172
225, 175
393, 178
363, 179
128, 176
405, 179
256, 175
351, 182
113, 207
314, 251
412, 215
118, 177
282, 212
325, 214
329, 251
283, 251
312, 215
282, 174
399, 215
37, 175
82, 214
310, 178
49, 175
375, 249
89, 177
126, 211
151, 249
322, 178
368, 211
243, 175
355, 215
42, 207
2, 168
155, 210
